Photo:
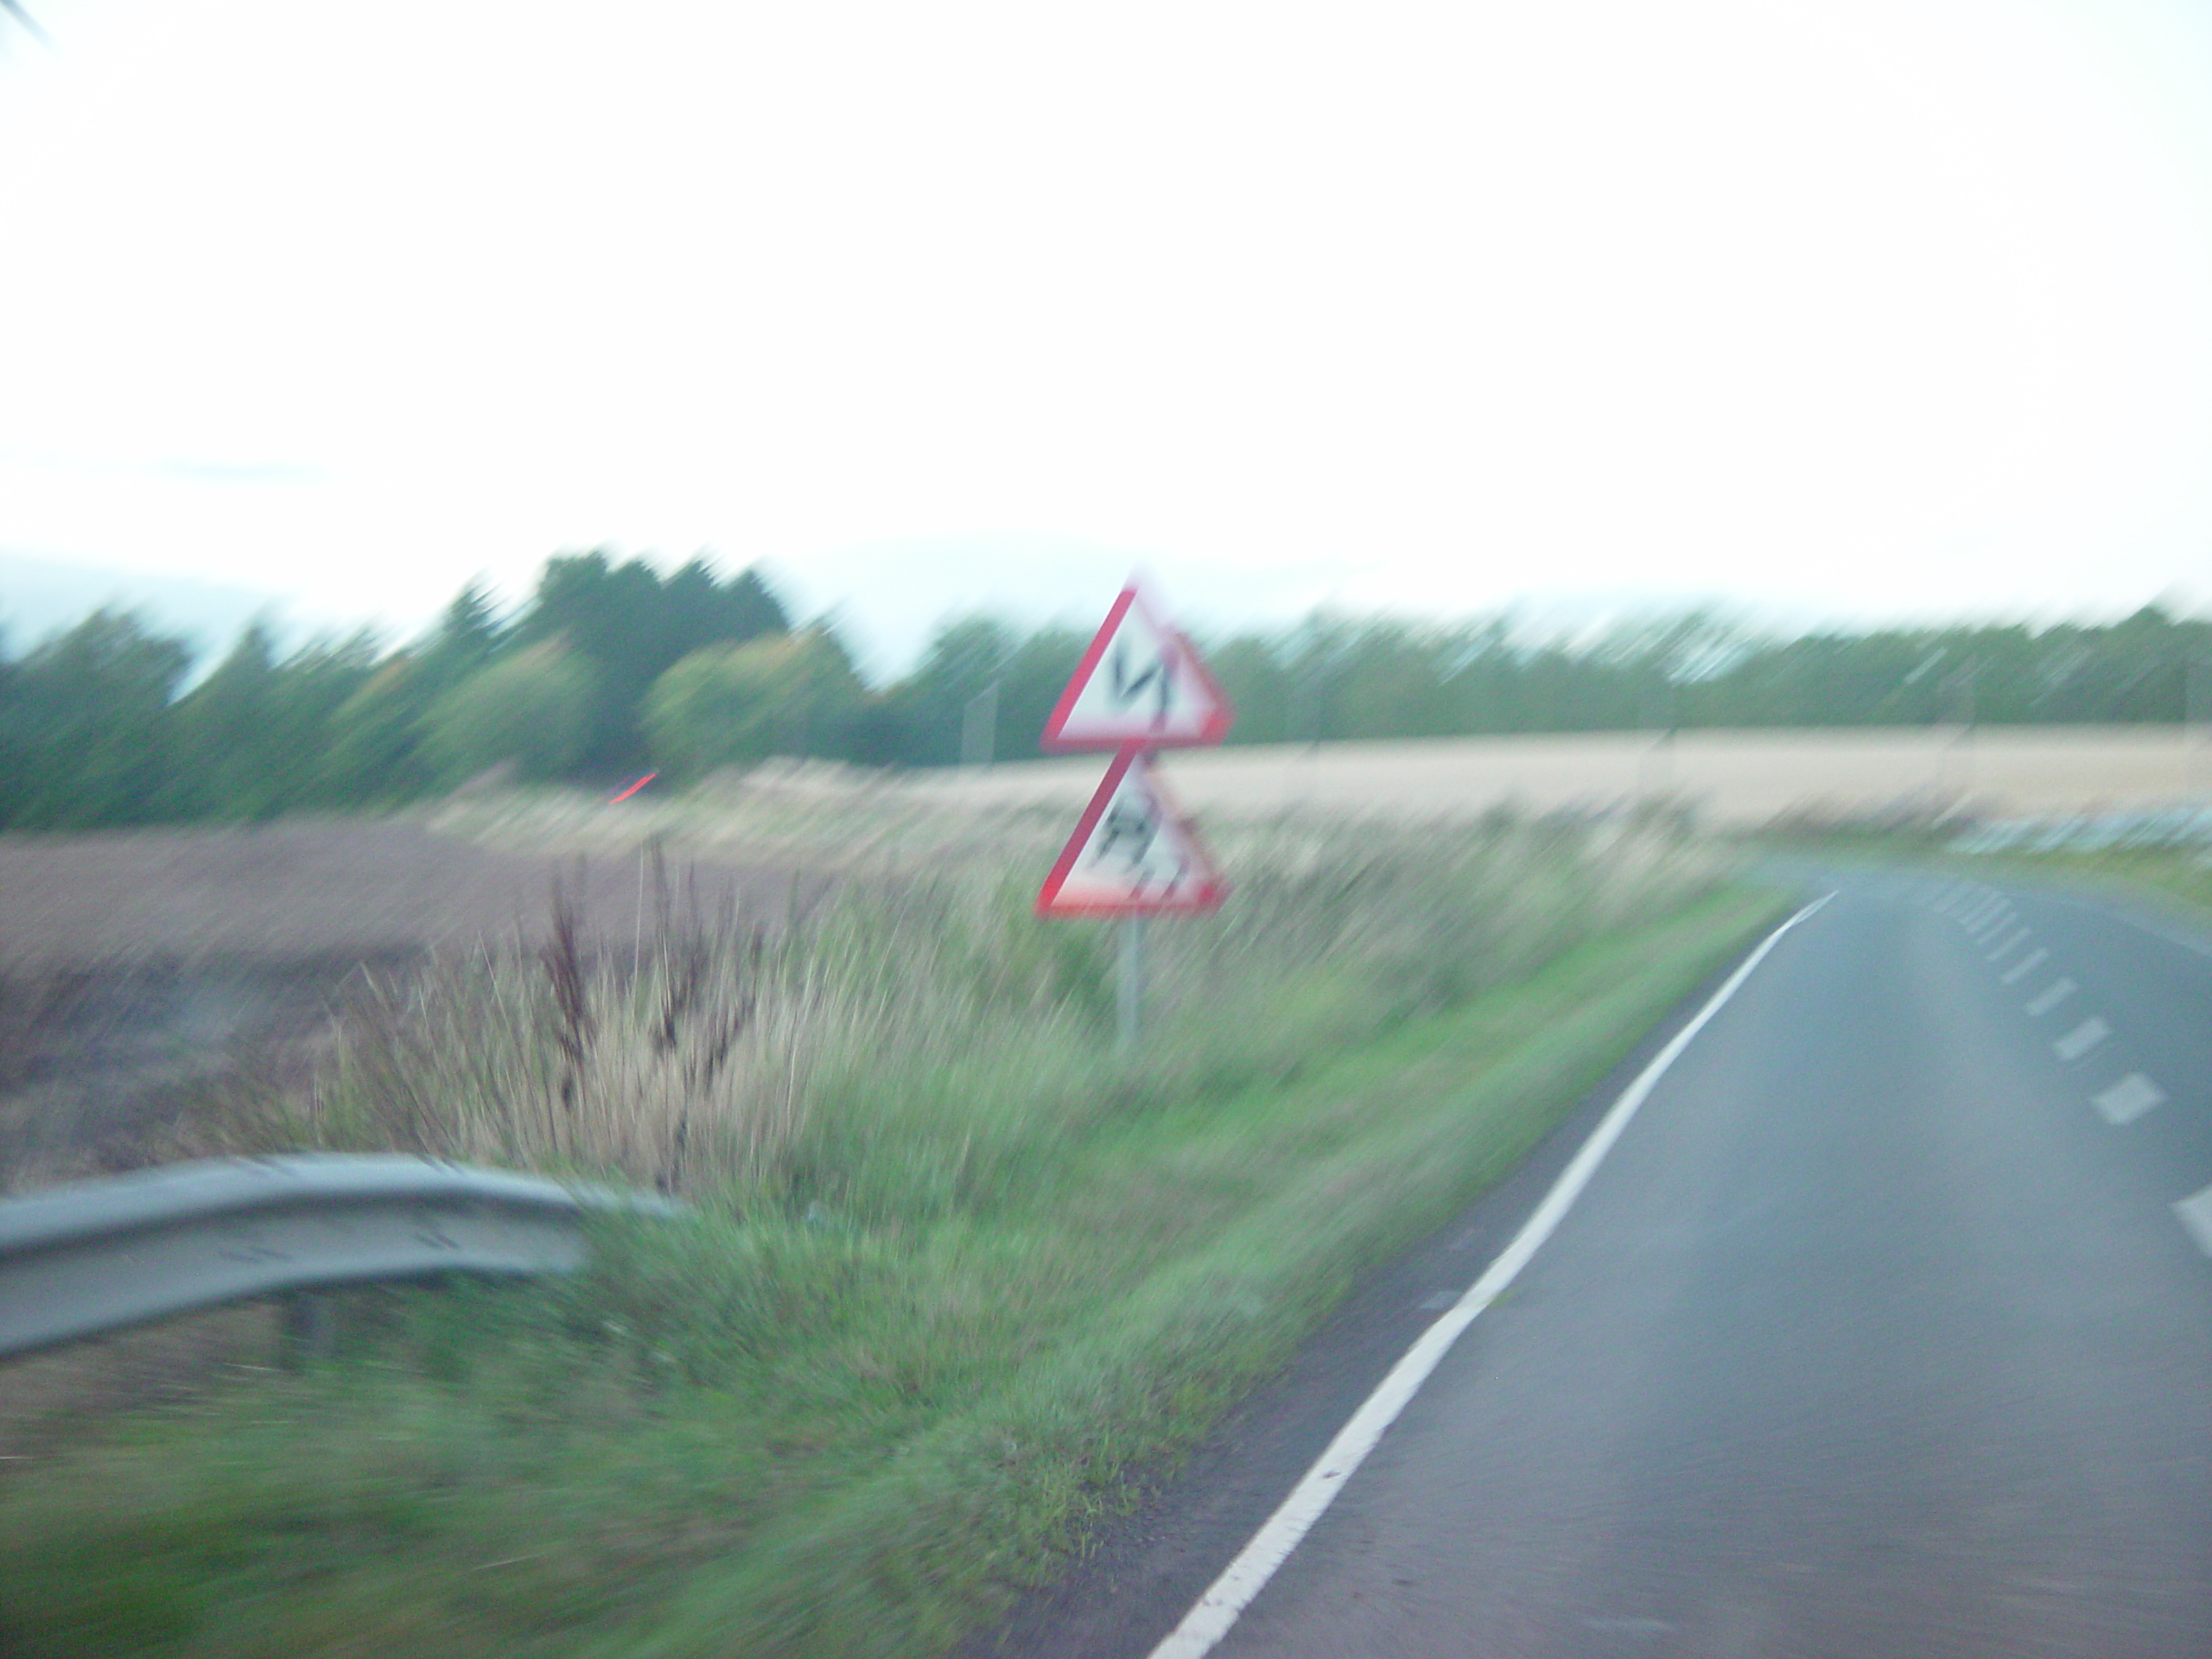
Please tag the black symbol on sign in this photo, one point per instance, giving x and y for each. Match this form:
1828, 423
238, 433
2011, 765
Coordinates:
1129, 831
1127, 687
1131, 834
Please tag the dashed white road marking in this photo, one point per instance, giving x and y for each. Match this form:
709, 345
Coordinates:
2196, 1214
2059, 991
1216, 1611
2083, 1038
2027, 966
2009, 946
2128, 1099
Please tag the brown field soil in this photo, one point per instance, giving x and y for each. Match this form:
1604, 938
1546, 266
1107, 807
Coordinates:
308, 890
142, 973
139, 970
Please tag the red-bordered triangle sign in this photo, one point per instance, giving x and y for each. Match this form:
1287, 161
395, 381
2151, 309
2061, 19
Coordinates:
1139, 682
1132, 852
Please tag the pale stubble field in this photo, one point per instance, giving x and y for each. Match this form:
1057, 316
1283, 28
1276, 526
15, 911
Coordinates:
1735, 779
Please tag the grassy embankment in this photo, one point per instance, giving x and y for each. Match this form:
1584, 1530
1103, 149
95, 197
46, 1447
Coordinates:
955, 1273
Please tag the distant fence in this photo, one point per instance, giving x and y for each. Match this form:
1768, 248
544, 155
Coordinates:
97, 1256
2186, 823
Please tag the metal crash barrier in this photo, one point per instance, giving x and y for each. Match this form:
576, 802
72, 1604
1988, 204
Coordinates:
96, 1256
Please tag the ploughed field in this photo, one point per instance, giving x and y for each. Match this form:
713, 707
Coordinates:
137, 969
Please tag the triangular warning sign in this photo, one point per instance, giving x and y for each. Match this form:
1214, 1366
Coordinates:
1131, 851
1139, 682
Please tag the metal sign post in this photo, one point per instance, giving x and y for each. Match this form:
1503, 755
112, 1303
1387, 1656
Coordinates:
979, 728
2196, 682
1130, 1001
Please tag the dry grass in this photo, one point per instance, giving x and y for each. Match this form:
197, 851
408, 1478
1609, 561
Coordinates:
917, 1034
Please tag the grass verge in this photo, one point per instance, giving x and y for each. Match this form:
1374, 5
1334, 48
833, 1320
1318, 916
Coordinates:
809, 1433
2182, 874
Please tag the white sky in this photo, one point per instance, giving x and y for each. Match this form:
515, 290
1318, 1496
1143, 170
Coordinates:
1849, 310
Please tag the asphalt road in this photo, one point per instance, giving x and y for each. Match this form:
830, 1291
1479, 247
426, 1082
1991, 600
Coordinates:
1885, 1329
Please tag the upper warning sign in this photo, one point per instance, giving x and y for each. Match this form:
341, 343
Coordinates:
1130, 852
1139, 682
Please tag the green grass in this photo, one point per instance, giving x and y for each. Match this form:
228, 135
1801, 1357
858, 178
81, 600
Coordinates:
2177, 873
850, 1421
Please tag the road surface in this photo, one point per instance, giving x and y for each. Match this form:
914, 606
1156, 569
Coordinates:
1884, 1329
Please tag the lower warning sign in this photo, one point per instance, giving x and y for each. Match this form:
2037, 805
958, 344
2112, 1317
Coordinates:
1131, 852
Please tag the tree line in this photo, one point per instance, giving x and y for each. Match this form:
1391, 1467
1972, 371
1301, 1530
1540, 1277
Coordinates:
613, 668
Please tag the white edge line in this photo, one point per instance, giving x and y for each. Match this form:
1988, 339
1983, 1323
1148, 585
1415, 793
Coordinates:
1212, 1616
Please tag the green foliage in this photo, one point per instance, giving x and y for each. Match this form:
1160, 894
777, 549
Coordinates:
93, 730
464, 640
965, 661
375, 754
1338, 679
1036, 674
976, 656
730, 705
257, 733
88, 732
633, 626
532, 708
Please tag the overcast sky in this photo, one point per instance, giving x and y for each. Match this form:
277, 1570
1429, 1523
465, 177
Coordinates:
1853, 310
